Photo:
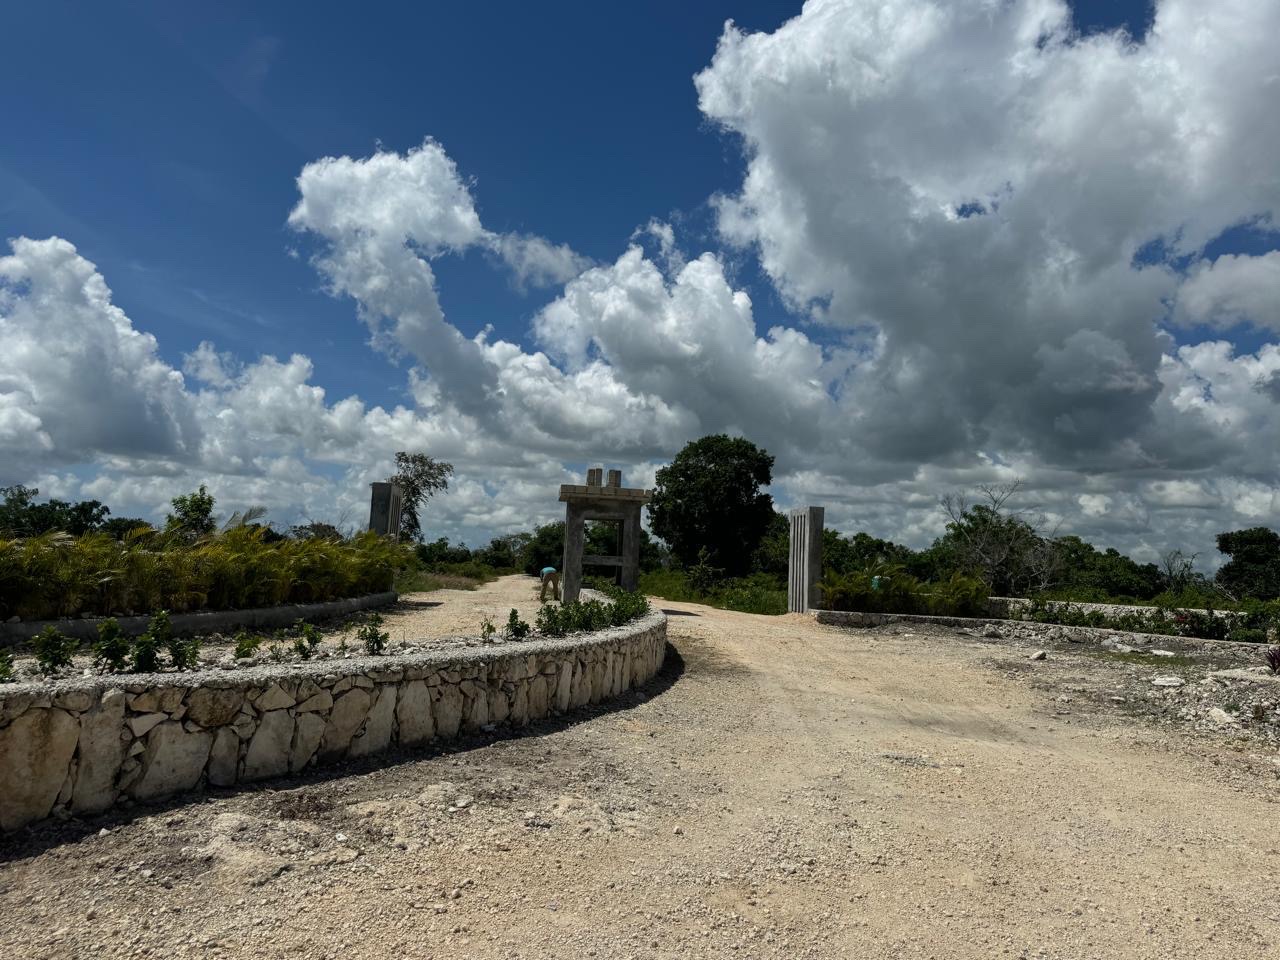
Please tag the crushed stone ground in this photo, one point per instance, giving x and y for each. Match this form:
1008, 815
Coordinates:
783, 790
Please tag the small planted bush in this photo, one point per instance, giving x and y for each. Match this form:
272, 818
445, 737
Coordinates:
307, 640
145, 654
1273, 659
6, 666
184, 652
53, 649
591, 615
246, 644
111, 649
487, 629
372, 637
517, 629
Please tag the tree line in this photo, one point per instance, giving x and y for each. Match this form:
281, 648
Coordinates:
713, 522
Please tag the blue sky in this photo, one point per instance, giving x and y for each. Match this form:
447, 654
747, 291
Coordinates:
165, 138
165, 141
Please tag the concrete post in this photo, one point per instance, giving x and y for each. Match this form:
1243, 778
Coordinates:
804, 566
630, 546
574, 535
385, 504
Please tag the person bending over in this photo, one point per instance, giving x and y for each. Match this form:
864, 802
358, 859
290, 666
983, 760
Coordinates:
549, 576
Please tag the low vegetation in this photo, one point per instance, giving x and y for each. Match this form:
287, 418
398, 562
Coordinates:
888, 588
757, 593
372, 637
111, 649
1250, 623
583, 616
59, 575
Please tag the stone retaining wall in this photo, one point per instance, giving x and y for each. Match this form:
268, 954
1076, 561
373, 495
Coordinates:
1006, 608
207, 621
80, 746
1245, 653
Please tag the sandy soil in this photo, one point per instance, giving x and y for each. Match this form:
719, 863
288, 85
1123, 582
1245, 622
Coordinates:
417, 621
783, 790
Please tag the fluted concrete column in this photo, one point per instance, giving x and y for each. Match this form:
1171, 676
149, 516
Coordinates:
804, 565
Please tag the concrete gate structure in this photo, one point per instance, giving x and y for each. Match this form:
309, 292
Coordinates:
610, 502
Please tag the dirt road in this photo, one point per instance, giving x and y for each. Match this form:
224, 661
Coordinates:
784, 790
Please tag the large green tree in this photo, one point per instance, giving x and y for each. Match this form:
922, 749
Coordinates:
1254, 567
710, 498
419, 477
22, 516
192, 514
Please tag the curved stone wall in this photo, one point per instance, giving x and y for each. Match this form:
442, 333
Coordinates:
80, 746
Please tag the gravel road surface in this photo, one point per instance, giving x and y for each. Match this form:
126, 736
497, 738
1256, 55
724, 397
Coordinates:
783, 790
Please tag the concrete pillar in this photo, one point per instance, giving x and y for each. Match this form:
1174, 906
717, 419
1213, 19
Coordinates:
630, 546
595, 477
385, 503
804, 565
615, 478
574, 535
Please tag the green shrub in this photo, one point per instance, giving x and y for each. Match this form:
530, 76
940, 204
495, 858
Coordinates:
876, 588
184, 652
53, 649
517, 629
758, 593
583, 616
56, 575
487, 629
1247, 635
703, 577
6, 666
145, 655
246, 644
111, 649
307, 640
374, 640
959, 596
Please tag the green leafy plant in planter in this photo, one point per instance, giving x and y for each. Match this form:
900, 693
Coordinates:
517, 629
111, 649
246, 644
374, 640
145, 655
487, 629
591, 615
184, 652
53, 649
307, 640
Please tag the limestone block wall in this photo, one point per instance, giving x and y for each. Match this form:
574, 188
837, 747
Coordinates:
1007, 607
81, 746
